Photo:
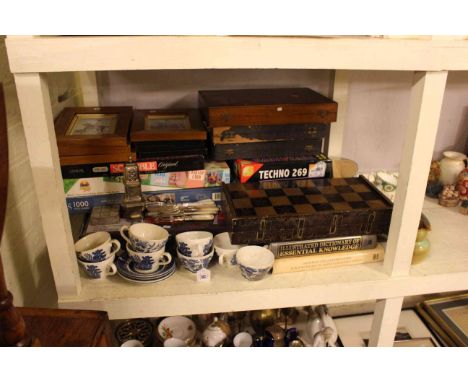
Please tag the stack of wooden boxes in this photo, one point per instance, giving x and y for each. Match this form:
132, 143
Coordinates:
286, 195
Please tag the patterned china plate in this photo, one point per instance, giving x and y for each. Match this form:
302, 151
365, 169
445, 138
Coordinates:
126, 269
178, 327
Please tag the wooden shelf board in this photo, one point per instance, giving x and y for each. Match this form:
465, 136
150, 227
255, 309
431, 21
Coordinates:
446, 269
32, 54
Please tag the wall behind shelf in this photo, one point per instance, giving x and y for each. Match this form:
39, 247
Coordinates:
377, 110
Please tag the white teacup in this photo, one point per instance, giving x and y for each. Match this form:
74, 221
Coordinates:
254, 261
99, 270
145, 237
148, 262
194, 243
243, 339
225, 250
96, 247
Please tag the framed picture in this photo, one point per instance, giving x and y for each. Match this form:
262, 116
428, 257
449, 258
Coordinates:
167, 125
451, 316
354, 331
83, 131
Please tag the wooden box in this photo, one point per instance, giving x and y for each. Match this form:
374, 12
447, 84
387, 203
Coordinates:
277, 211
243, 107
168, 132
302, 147
268, 133
93, 131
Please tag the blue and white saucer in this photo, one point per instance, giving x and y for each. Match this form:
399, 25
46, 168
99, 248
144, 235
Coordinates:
126, 269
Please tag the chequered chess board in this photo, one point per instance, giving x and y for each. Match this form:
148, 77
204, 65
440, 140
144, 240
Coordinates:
303, 197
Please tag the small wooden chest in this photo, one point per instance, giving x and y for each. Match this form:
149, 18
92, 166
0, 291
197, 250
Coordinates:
243, 107
276, 211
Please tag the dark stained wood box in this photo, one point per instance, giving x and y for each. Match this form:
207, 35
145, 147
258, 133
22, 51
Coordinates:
276, 211
268, 133
268, 149
223, 108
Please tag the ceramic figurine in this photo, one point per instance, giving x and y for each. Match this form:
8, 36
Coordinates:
327, 320
314, 323
450, 166
434, 187
449, 196
462, 186
324, 338
216, 334
260, 319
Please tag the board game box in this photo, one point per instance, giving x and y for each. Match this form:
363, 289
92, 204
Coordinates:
277, 211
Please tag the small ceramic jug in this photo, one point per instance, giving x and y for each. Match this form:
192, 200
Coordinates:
421, 247
216, 333
450, 166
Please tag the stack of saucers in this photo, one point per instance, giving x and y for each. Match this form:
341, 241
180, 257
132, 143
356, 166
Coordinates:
195, 249
126, 269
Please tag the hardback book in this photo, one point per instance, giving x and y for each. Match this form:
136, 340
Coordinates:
256, 170
304, 209
275, 106
330, 260
323, 246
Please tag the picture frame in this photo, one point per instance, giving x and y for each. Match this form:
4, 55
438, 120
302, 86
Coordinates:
354, 331
167, 125
451, 316
84, 131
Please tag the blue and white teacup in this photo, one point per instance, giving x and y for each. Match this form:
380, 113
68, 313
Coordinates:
145, 237
96, 247
194, 264
99, 270
254, 261
194, 243
148, 262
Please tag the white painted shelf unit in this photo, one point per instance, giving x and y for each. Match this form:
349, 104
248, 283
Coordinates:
430, 59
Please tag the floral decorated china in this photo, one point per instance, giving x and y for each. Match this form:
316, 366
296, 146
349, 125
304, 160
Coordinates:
216, 334
148, 262
99, 270
145, 237
180, 327
96, 247
194, 243
126, 269
254, 261
194, 264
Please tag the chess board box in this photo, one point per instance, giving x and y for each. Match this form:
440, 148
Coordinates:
278, 211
